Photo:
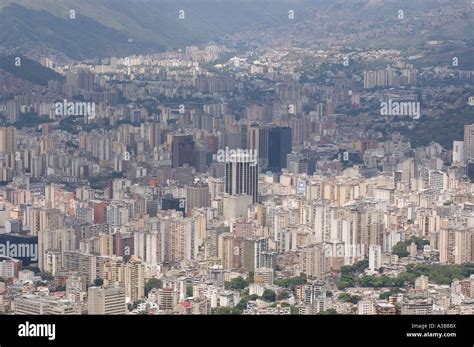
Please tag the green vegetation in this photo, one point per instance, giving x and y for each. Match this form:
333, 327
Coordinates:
294, 310
331, 311
358, 267
439, 274
134, 305
290, 282
419, 242
345, 282
386, 295
151, 284
443, 130
28, 120
98, 282
285, 294
238, 283
400, 249
269, 295
100, 182
242, 304
348, 274
346, 297
379, 281
226, 311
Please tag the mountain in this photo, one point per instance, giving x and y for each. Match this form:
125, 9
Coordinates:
120, 27
29, 70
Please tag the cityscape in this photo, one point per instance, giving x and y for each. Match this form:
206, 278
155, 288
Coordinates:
300, 165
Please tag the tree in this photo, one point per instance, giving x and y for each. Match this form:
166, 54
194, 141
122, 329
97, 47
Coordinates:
294, 310
134, 305
151, 284
420, 243
269, 295
253, 297
98, 282
345, 282
223, 310
290, 281
284, 294
400, 249
344, 297
386, 295
331, 311
236, 283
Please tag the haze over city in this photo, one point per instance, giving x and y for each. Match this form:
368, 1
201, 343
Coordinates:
284, 157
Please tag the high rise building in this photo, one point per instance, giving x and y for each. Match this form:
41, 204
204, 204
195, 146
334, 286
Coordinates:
313, 261
458, 152
197, 195
241, 177
8, 142
257, 139
82, 80
225, 250
279, 146
182, 149
472, 286
134, 279
456, 246
13, 111
375, 257
468, 142
106, 300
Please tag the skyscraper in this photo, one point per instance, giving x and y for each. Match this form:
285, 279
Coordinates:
279, 145
182, 150
134, 278
13, 111
468, 142
8, 143
241, 177
257, 139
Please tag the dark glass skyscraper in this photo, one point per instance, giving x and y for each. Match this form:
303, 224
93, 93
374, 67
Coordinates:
279, 145
182, 150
